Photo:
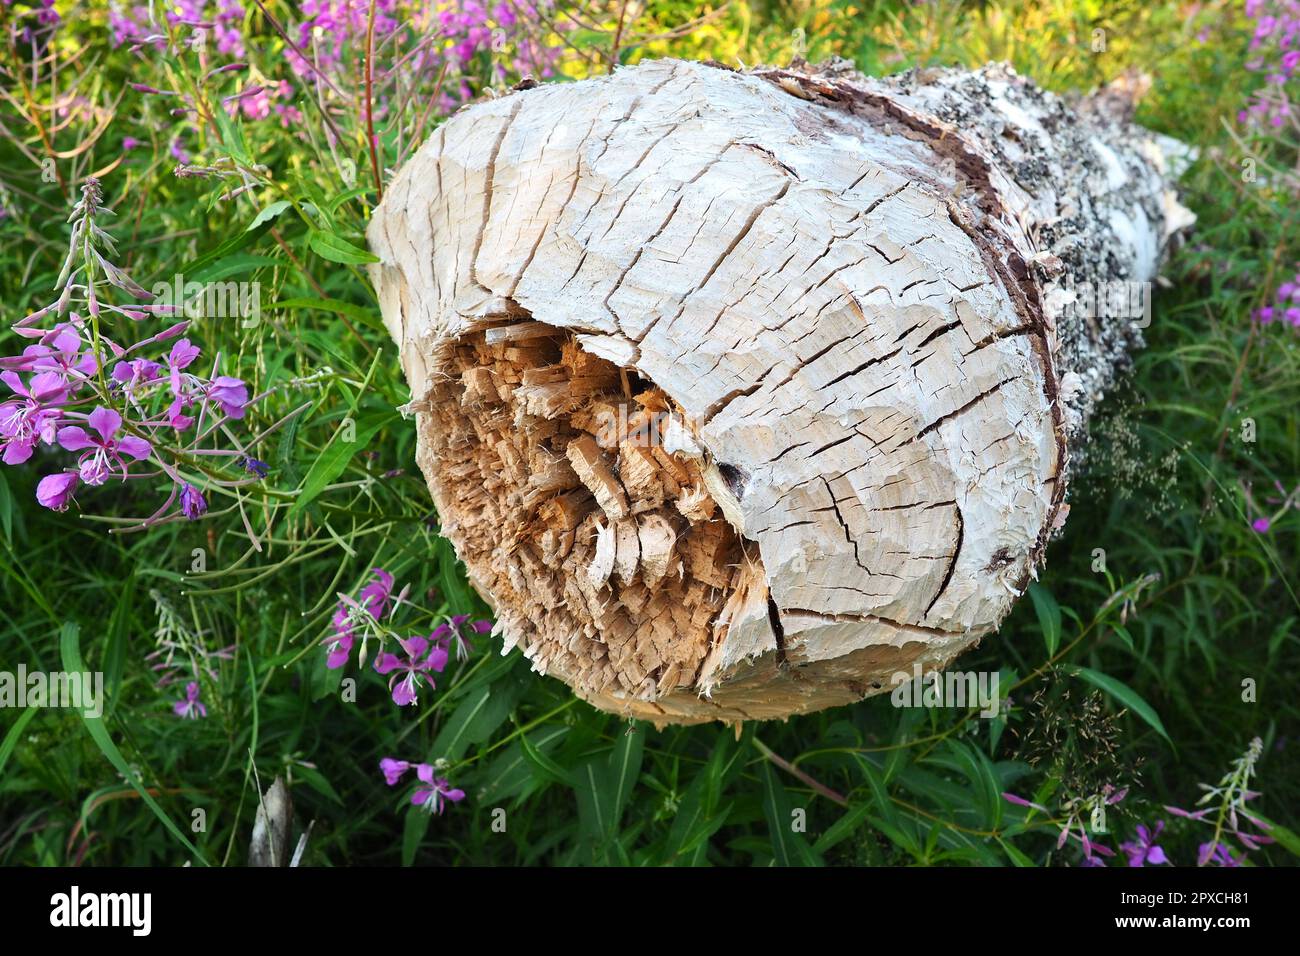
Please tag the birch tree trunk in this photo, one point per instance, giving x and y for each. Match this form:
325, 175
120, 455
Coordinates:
740, 393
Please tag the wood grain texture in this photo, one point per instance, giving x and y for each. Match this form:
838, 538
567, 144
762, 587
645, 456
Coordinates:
738, 393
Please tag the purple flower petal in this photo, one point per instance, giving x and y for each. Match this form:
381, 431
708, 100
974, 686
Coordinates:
133, 447
404, 691
74, 438
105, 421
54, 491
393, 769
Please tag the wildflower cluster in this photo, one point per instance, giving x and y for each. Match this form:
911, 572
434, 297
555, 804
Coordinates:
1270, 509
433, 792
464, 44
414, 661
1079, 816
1275, 46
363, 619
457, 34
124, 410
135, 24
1224, 807
1285, 307
214, 31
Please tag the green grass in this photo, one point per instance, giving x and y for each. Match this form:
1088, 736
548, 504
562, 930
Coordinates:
872, 784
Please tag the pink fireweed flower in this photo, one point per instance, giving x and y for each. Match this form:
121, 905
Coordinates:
1144, 850
135, 374
423, 658
58, 377
1218, 853
103, 448
1022, 802
230, 393
339, 644
182, 355
374, 597
190, 708
175, 417
151, 91
437, 791
1286, 305
372, 601
180, 358
60, 350
55, 491
193, 504
1189, 815
23, 423
454, 632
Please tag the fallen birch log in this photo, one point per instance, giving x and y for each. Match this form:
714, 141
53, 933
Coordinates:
740, 393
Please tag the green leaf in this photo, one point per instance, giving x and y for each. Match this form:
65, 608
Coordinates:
879, 790
697, 817
1015, 856
979, 770
843, 828
70, 649
331, 247
625, 767
317, 781
11, 738
511, 775
333, 205
232, 137
270, 212
413, 831
1124, 694
236, 242
545, 764
788, 847
474, 719
1121, 632
1049, 616
605, 784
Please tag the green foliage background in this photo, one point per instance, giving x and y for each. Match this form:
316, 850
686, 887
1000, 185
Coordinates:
1193, 601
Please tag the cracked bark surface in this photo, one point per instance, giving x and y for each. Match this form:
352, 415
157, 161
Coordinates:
738, 393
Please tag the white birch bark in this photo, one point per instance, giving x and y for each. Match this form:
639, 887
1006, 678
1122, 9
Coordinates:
739, 393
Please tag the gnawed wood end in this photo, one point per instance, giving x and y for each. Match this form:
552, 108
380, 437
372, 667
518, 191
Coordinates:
735, 392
